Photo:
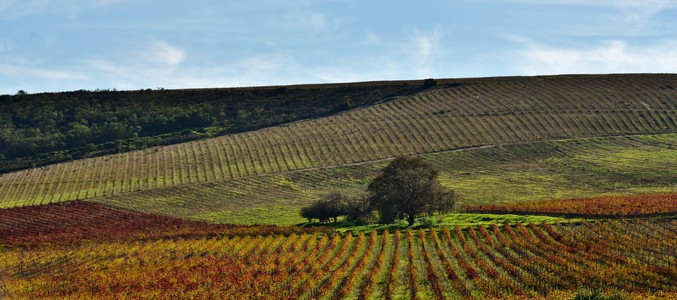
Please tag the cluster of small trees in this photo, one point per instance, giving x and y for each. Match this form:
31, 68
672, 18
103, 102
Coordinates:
332, 207
408, 188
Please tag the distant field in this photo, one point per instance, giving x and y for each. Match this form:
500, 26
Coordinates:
634, 258
506, 174
473, 113
609, 206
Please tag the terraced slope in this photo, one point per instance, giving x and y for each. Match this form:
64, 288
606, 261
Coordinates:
477, 112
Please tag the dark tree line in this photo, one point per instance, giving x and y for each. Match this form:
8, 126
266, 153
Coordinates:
408, 188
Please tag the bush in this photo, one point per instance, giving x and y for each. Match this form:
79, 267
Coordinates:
429, 83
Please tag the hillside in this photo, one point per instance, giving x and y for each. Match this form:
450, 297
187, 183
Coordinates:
578, 174
44, 128
502, 174
457, 114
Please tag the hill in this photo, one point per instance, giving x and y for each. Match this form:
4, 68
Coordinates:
39, 129
131, 225
489, 175
456, 114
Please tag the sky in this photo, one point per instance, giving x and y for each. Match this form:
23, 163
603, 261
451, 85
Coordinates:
64, 45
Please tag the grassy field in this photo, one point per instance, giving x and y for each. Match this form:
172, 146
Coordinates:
470, 113
450, 220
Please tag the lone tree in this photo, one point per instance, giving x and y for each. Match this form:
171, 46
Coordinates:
409, 188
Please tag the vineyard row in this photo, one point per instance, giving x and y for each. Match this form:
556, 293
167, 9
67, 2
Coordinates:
438, 120
499, 261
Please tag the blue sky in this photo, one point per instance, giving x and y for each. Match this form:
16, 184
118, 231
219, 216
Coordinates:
61, 45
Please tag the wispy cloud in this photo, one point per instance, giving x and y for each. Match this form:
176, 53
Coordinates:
642, 12
424, 48
156, 61
416, 54
615, 56
162, 53
161, 64
156, 54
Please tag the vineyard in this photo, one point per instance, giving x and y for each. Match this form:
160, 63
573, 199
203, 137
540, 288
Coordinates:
634, 257
633, 205
472, 113
571, 181
508, 174
75, 221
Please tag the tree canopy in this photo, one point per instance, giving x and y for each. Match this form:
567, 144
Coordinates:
409, 188
332, 207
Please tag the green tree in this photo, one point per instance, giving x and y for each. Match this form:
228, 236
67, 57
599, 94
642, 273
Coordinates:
430, 82
359, 210
409, 188
333, 206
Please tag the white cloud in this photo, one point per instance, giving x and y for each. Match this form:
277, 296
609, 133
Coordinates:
614, 56
424, 49
417, 55
248, 71
644, 10
103, 65
163, 53
156, 56
160, 64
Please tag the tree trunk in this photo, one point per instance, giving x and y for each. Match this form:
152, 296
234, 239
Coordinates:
411, 219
